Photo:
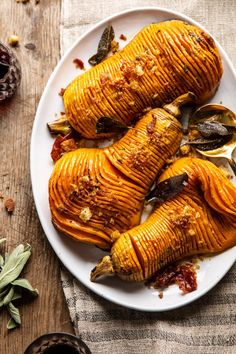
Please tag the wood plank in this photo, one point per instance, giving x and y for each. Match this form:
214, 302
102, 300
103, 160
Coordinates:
37, 24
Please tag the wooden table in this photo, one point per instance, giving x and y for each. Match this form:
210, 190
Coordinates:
39, 25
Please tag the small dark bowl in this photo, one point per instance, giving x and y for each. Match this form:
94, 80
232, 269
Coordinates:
61, 343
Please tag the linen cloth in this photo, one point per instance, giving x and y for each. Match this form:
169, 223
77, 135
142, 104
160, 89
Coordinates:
206, 326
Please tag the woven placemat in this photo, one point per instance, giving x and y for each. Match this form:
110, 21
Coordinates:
205, 326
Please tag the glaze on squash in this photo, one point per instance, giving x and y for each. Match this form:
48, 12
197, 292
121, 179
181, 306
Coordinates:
200, 220
93, 192
163, 61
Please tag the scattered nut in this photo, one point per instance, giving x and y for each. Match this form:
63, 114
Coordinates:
85, 214
13, 40
9, 205
85, 179
139, 70
123, 37
114, 46
79, 64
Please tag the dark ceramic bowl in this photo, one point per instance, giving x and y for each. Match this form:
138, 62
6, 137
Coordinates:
10, 72
57, 343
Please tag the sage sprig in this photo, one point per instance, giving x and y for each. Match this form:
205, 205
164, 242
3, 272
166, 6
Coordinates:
12, 287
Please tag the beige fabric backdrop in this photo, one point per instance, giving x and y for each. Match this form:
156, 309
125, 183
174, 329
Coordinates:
206, 326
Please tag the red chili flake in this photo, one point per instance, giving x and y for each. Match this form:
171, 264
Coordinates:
123, 37
61, 93
184, 275
9, 205
79, 64
63, 144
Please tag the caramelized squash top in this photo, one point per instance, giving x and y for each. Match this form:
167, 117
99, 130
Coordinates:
163, 61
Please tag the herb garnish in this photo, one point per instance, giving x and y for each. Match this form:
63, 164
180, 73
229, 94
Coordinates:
12, 287
104, 46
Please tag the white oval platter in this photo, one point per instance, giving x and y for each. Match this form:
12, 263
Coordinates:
79, 259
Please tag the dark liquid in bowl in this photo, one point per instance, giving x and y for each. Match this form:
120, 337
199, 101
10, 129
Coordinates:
61, 349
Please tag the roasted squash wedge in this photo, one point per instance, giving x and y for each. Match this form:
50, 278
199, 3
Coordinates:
163, 61
200, 220
93, 192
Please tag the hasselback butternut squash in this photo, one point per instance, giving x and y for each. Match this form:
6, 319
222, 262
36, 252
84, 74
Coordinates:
93, 192
163, 61
201, 219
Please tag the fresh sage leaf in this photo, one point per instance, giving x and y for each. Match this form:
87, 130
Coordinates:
17, 294
6, 257
8, 298
1, 261
14, 265
27, 247
14, 312
24, 283
10, 286
11, 324
16, 252
2, 296
3, 292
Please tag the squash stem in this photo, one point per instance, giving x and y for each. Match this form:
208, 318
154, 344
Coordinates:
104, 267
174, 107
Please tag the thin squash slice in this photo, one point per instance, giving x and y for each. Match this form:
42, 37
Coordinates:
199, 220
163, 61
94, 192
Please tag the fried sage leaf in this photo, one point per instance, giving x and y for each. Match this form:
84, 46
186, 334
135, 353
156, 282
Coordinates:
104, 46
212, 129
205, 144
109, 125
168, 189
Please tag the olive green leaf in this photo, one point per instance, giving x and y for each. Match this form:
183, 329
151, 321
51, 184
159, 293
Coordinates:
17, 294
14, 265
2, 296
14, 312
9, 296
11, 324
1, 261
24, 283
